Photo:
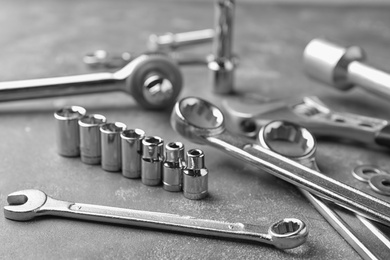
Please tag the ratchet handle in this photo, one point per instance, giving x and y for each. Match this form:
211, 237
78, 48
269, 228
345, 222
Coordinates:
57, 86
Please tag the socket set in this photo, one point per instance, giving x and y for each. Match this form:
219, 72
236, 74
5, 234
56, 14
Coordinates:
117, 148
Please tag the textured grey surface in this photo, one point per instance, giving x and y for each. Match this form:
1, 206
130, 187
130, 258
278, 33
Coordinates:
48, 38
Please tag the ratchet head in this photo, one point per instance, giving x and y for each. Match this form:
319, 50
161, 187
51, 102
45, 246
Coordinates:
195, 118
23, 205
288, 233
153, 79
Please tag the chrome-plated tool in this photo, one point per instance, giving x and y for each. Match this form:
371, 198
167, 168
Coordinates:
111, 146
90, 144
246, 115
295, 142
27, 204
105, 59
109, 60
223, 63
152, 160
343, 68
173, 41
195, 176
67, 130
132, 152
202, 122
173, 166
153, 80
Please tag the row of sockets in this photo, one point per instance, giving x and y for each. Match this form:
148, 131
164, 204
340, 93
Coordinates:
117, 148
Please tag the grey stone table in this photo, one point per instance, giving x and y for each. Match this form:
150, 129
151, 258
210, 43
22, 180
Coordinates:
49, 38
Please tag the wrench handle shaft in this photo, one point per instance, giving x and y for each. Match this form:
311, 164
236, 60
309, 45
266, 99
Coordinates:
58, 86
156, 220
303, 177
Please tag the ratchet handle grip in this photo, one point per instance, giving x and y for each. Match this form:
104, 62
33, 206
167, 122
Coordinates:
383, 137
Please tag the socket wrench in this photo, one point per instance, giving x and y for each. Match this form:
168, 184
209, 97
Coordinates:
27, 204
154, 80
203, 123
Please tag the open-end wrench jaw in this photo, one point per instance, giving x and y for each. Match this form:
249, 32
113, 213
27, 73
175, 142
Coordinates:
24, 204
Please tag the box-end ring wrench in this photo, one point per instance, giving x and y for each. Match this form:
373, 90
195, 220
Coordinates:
246, 115
26, 204
154, 81
203, 123
296, 143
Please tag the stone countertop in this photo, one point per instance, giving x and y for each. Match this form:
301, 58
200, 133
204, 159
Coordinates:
49, 38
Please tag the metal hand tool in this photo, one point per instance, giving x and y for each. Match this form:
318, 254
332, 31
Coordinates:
104, 59
195, 176
173, 166
343, 68
154, 81
174, 41
301, 147
247, 115
26, 204
222, 63
67, 130
202, 122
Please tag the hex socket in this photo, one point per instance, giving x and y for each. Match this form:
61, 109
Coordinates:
67, 130
90, 143
131, 152
173, 169
152, 159
111, 146
195, 176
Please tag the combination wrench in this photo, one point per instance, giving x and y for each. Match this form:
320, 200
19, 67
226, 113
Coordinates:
203, 123
27, 204
154, 80
247, 114
367, 237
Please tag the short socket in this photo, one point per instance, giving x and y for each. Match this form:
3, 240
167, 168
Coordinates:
90, 146
111, 146
195, 176
152, 159
67, 130
173, 167
132, 152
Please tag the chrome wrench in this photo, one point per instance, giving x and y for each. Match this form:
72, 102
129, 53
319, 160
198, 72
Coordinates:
246, 115
203, 123
27, 204
369, 239
154, 80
